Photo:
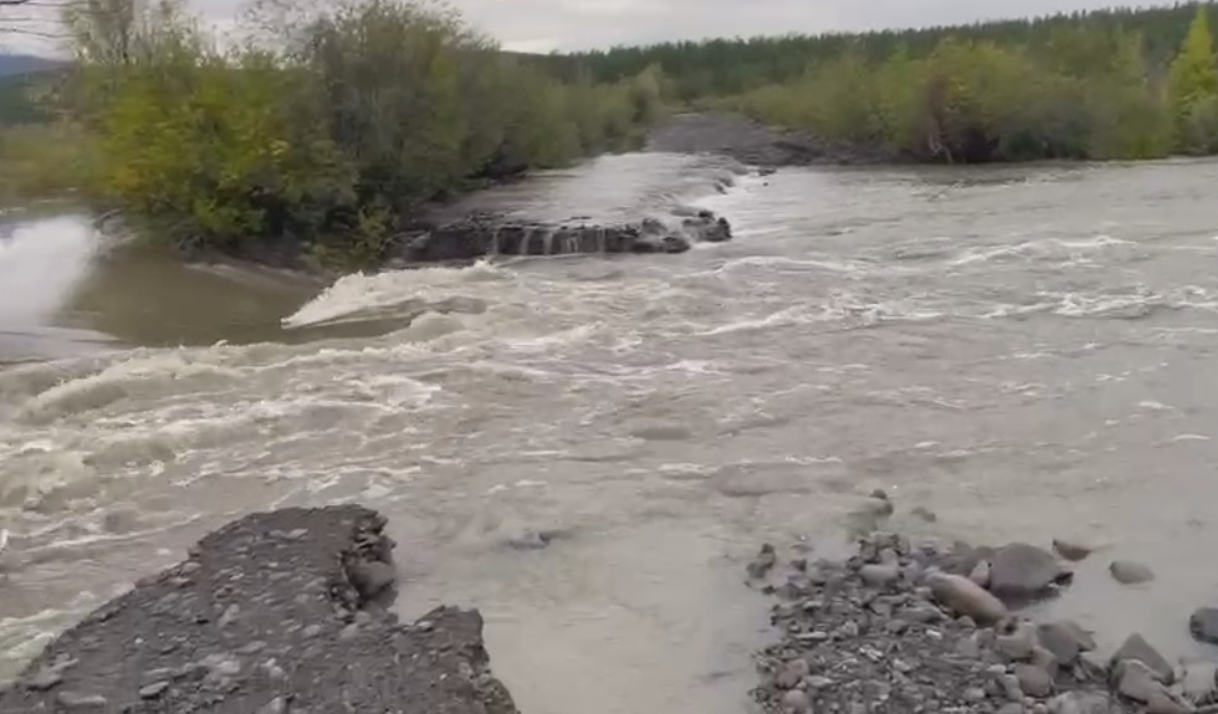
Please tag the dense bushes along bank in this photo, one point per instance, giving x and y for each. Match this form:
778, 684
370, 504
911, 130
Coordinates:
325, 132
1104, 85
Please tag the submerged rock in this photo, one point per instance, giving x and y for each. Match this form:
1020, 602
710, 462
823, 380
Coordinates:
1204, 625
1128, 572
1072, 550
482, 236
307, 630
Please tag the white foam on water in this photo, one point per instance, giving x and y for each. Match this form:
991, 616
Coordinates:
357, 294
143, 374
40, 264
1047, 248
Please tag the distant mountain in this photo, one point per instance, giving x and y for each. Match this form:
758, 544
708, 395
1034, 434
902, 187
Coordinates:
25, 64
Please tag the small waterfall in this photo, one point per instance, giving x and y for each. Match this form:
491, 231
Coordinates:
525, 237
601, 243
548, 243
495, 242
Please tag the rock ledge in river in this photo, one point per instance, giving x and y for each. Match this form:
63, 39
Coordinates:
278, 612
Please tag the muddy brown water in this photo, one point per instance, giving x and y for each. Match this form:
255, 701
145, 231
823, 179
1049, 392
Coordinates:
1029, 352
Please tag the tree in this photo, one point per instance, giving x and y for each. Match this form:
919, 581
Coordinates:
1193, 79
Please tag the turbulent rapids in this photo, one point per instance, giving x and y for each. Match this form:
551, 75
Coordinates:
588, 447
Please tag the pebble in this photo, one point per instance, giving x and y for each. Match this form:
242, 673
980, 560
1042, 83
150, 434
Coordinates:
1082, 703
796, 702
819, 682
1018, 645
981, 574
763, 563
1128, 572
275, 706
924, 514
881, 575
1199, 681
1011, 708
154, 690
1065, 640
1204, 625
791, 674
1011, 687
967, 598
312, 631
79, 702
974, 695
47, 678
968, 648
1072, 550
1033, 680
230, 616
1045, 660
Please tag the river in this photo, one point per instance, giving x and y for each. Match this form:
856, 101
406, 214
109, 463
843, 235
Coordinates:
1029, 352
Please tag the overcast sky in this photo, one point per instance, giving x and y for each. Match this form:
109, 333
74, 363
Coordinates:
544, 25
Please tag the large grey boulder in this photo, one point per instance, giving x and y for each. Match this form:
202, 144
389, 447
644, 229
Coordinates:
1021, 571
278, 613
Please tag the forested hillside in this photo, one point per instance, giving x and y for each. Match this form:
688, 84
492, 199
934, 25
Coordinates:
1119, 84
730, 66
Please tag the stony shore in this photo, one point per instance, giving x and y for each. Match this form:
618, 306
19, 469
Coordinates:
908, 628
278, 613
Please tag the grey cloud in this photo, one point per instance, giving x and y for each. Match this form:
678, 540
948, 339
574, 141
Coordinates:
543, 25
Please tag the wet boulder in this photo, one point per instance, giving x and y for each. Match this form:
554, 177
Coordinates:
1204, 625
1022, 571
967, 598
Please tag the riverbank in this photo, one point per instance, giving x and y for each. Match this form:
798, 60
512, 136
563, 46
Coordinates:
286, 612
278, 612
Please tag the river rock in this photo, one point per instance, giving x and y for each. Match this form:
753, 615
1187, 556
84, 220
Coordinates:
967, 598
1017, 645
881, 575
1011, 687
1065, 640
981, 574
1199, 681
1072, 550
1082, 703
760, 566
1034, 681
796, 702
1204, 625
1136, 648
181, 660
792, 674
1020, 570
1128, 572
1134, 679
